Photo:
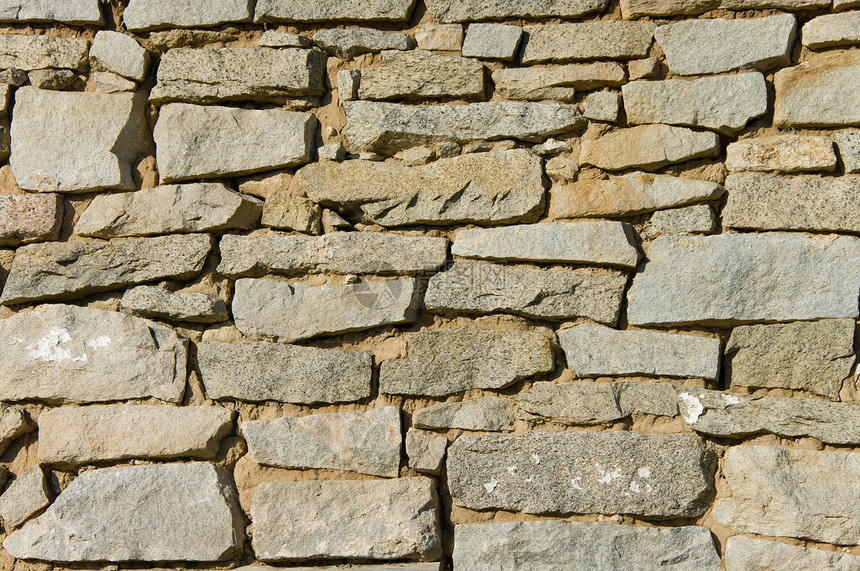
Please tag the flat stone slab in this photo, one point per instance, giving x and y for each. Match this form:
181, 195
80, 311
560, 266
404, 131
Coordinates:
333, 11
820, 92
425, 450
346, 44
631, 9
284, 373
30, 218
848, 143
581, 472
489, 414
120, 54
480, 287
194, 141
64, 270
748, 553
832, 30
781, 153
129, 514
418, 74
496, 187
552, 545
142, 15
607, 39
363, 442
83, 435
493, 41
697, 219
648, 147
782, 492
374, 519
62, 353
28, 53
476, 10
66, 11
449, 361
158, 303
25, 496
560, 82
733, 279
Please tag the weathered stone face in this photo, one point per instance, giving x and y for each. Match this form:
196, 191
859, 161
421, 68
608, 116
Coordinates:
556, 82
28, 53
12, 425
832, 30
591, 40
120, 54
346, 44
420, 74
748, 553
849, 150
698, 219
30, 218
493, 41
425, 451
781, 153
24, 497
472, 10
142, 15
820, 92
638, 8
333, 10
485, 414
648, 147
154, 302
68, 11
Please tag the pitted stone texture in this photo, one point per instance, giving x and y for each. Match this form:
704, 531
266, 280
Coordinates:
476, 10
625, 195
25, 496
77, 142
782, 492
486, 414
820, 92
812, 356
64, 270
600, 242
637, 8
581, 472
590, 40
193, 207
119, 54
339, 252
832, 30
363, 442
238, 74
781, 153
741, 278
61, 353
28, 53
748, 554
602, 106
476, 287
389, 127
282, 210
556, 82
418, 74
440, 363
30, 218
129, 514
142, 15
66, 11
381, 519
698, 219
441, 37
493, 41
849, 149
724, 104
285, 373
426, 451
83, 435
594, 351
561, 545
346, 44
12, 425
696, 47
497, 187
170, 39
333, 11
648, 147
155, 302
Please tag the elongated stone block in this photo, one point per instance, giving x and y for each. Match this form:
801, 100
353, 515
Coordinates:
820, 92
142, 15
748, 554
66, 11
419, 74
28, 53
489, 414
333, 10
590, 40
556, 82
697, 219
782, 153
832, 30
158, 303
637, 8
476, 10
30, 218
648, 147
346, 44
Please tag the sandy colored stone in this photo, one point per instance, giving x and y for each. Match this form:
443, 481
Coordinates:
54, 79
142, 15
419, 74
493, 41
28, 53
748, 554
280, 39
442, 37
477, 10
832, 30
425, 450
178, 38
781, 153
848, 143
648, 147
106, 82
25, 496
608, 39
30, 218
12, 425
556, 82
646, 68
697, 219
490, 414
602, 106
333, 11
66, 11
120, 54
346, 44
637, 8
158, 303
820, 92
285, 211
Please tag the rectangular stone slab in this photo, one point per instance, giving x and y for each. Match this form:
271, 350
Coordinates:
658, 475
419, 74
631, 9
333, 10
748, 553
29, 53
66, 11
556, 82
158, 303
832, 30
591, 40
142, 15
820, 92
477, 10
29, 218
25, 496
648, 147
782, 153
348, 43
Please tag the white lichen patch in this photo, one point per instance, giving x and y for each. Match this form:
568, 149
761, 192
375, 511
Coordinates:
691, 408
49, 349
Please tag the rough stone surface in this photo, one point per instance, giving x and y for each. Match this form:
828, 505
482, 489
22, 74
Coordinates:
106, 82
56, 79
418, 74
142, 15
472, 10
63, 270
12, 425
698, 219
24, 497
285, 373
590, 40
748, 554
382, 519
346, 44
741, 278
426, 451
28, 53
602, 106
67, 11
120, 54
832, 30
445, 362
637, 8
581, 472
781, 153
849, 150
487, 414
556, 82
333, 10
363, 442
493, 41
128, 514
30, 218
442, 37
281, 39
288, 212
170, 39
155, 302
648, 147
820, 92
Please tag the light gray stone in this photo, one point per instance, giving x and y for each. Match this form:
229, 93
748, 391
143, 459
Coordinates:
840, 5
646, 68
347, 84
281, 39
698, 219
556, 82
486, 414
476, 10
66, 11
364, 442
380, 567
284, 373
608, 39
561, 545
83, 435
28, 53
648, 147
63, 270
782, 492
419, 74
77, 142
602, 106
285, 211
12, 425
725, 103
129, 514
696, 47
333, 11
581, 472
631, 9
170, 39
30, 218
742, 278
55, 79
848, 143
24, 497
142, 15
832, 30
193, 207
120, 54
820, 92
154, 302
106, 82
748, 554
442, 37
492, 41
425, 450
479, 287
504, 186
346, 44
375, 519
781, 153
195, 141
440, 363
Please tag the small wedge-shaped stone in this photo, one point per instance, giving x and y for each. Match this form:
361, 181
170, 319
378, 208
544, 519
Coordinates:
725, 103
142, 15
426, 451
25, 496
62, 353
66, 11
194, 207
631, 9
626, 195
658, 475
590, 40
30, 218
849, 149
476, 287
130, 514
698, 219
440, 363
486, 414
12, 425
648, 147
381, 519
238, 74
781, 202
476, 10
195, 141
339, 253
556, 82
596, 351
748, 554
696, 47
560, 545
742, 278
155, 302
601, 242
346, 44
77, 142
783, 492
363, 442
284, 373
823, 91
333, 11
64, 270
119, 53
27, 53
832, 30
419, 74
82, 435
390, 127
483, 187
781, 153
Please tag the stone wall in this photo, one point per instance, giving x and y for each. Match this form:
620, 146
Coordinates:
507, 285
